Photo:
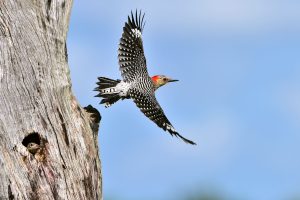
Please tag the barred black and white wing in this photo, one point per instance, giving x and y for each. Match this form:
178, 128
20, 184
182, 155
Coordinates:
148, 104
131, 56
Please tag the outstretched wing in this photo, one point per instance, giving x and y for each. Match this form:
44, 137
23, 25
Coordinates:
148, 104
131, 56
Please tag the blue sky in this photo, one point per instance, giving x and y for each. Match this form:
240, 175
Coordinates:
238, 97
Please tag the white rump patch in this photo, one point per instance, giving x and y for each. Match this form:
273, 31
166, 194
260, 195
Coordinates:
123, 88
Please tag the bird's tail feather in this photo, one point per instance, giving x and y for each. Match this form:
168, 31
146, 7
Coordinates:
107, 90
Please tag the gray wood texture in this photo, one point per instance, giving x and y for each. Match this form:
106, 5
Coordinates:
37, 106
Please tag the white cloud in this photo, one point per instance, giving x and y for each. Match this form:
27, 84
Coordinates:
217, 16
231, 16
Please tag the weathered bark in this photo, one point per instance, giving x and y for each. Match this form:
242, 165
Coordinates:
37, 106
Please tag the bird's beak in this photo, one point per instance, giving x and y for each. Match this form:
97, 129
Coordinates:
172, 80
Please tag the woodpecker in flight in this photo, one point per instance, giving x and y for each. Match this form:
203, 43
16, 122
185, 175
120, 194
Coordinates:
136, 83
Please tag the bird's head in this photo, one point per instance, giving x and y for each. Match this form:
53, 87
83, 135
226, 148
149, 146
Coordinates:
33, 147
160, 80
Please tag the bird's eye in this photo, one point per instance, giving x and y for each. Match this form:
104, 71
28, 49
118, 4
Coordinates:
165, 79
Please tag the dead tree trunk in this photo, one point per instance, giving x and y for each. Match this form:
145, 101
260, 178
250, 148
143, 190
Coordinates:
48, 143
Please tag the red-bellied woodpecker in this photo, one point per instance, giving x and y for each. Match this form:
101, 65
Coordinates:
136, 83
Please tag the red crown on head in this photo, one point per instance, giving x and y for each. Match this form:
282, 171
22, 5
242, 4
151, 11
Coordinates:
155, 78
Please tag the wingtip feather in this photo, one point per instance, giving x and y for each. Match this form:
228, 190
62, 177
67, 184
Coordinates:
181, 137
